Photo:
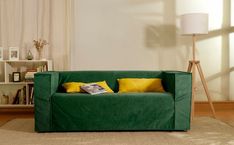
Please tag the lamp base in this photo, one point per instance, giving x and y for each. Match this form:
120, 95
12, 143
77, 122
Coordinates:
193, 64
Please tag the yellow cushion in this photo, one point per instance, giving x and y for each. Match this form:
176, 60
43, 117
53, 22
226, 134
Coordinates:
140, 85
105, 86
74, 87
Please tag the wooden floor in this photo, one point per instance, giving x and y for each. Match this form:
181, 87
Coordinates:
223, 115
224, 112
9, 114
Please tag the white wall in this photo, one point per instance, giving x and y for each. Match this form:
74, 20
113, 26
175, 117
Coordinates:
120, 34
144, 35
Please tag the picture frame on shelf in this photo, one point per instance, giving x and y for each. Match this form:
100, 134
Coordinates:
13, 53
16, 76
1, 53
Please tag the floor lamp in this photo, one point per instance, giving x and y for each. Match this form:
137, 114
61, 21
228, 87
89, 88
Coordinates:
195, 24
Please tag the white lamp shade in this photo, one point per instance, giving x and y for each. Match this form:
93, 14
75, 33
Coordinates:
194, 23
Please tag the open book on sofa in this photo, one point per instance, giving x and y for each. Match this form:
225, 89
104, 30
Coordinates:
93, 89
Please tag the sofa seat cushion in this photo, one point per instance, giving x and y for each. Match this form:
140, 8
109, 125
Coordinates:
112, 111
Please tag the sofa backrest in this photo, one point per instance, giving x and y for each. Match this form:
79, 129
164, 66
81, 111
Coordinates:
109, 76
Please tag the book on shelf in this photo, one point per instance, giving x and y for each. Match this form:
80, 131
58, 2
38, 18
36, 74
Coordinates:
31, 97
22, 98
93, 89
29, 76
42, 68
30, 72
16, 98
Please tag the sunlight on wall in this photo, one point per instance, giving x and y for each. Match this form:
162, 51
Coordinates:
212, 49
215, 14
145, 35
232, 12
191, 6
231, 54
209, 53
213, 7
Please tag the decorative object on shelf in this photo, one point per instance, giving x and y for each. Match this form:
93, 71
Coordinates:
39, 44
5, 99
194, 24
29, 55
16, 76
10, 78
13, 53
20, 96
1, 53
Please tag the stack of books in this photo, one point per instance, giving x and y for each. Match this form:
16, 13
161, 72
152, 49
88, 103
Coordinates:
29, 75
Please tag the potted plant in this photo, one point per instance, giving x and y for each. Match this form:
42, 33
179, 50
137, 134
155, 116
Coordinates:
39, 44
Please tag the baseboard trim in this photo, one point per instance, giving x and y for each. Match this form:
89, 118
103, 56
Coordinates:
19, 110
218, 105
199, 106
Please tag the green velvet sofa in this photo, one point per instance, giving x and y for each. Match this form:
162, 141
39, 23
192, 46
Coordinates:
56, 110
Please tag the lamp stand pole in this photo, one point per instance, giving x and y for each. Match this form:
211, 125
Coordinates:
193, 64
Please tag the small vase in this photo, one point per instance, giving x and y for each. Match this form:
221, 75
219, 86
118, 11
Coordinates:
39, 54
29, 55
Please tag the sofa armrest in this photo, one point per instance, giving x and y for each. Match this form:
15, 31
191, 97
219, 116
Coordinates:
45, 85
180, 85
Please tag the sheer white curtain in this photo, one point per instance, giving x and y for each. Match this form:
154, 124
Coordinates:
22, 21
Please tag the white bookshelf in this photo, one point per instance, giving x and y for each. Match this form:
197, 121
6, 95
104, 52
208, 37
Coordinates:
9, 88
